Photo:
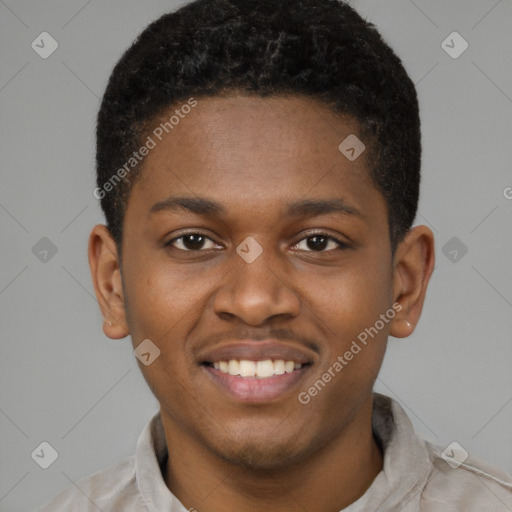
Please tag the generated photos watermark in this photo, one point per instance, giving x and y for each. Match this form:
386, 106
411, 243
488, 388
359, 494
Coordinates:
152, 141
355, 348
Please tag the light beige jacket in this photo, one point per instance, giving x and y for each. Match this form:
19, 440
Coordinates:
417, 476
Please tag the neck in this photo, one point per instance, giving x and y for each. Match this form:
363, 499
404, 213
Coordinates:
330, 479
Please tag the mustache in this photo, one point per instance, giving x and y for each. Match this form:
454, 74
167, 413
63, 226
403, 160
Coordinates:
281, 334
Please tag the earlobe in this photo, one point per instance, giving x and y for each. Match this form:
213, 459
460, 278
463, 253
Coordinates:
106, 277
413, 266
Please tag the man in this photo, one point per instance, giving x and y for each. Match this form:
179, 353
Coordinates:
259, 166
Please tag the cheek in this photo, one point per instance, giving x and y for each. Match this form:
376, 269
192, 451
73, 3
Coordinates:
163, 309
160, 301
348, 307
347, 310
356, 297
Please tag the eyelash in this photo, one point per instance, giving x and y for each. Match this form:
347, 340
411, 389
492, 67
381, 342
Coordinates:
341, 244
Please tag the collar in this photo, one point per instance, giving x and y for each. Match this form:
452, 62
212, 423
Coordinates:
405, 470
407, 463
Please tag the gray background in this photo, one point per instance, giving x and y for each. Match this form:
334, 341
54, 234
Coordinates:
64, 382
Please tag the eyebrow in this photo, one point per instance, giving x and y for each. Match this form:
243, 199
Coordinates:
302, 208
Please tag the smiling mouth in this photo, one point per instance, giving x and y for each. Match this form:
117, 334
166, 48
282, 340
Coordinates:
264, 369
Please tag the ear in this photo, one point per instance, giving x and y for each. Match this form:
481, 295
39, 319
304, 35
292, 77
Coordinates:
413, 265
106, 276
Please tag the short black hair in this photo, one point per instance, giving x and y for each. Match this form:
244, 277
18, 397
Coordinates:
320, 48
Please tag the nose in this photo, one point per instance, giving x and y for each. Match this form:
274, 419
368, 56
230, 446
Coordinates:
255, 292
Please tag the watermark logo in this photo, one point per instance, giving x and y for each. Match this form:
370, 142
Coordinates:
45, 455
454, 455
44, 250
343, 360
44, 45
351, 147
146, 352
249, 249
454, 249
152, 140
454, 45
175, 119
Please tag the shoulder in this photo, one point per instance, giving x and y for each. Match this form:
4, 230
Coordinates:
111, 489
459, 481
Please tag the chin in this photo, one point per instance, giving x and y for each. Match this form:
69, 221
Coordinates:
260, 455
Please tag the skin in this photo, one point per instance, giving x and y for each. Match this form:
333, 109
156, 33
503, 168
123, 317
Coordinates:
254, 156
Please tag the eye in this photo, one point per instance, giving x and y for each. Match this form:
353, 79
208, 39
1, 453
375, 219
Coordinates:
192, 242
320, 242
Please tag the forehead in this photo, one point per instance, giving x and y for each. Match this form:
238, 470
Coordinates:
250, 152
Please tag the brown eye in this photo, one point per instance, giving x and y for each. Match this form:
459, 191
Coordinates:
317, 243
192, 242
320, 242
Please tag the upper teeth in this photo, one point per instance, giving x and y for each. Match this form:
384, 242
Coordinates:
261, 369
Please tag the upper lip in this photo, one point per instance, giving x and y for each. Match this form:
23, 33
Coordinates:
257, 351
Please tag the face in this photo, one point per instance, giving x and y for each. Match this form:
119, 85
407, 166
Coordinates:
252, 244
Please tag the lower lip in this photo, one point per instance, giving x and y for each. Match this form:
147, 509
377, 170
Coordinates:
254, 390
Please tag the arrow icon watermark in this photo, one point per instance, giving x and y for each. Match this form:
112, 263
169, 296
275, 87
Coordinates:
146, 352
249, 249
352, 147
44, 455
44, 250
